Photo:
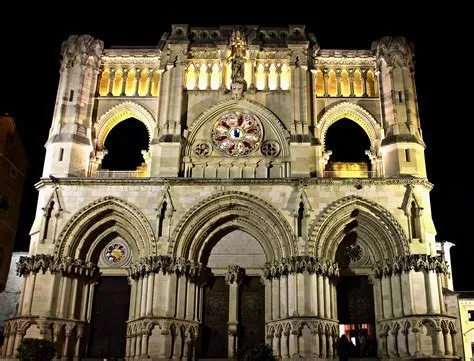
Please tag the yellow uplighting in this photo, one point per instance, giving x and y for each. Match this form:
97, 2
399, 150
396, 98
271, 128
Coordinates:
272, 77
117, 86
260, 77
228, 74
202, 80
104, 83
345, 85
285, 77
357, 83
144, 83
131, 84
155, 83
319, 78
215, 77
370, 84
347, 170
190, 77
332, 83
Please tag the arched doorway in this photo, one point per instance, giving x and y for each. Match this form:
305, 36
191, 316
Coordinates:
234, 297
355, 296
108, 325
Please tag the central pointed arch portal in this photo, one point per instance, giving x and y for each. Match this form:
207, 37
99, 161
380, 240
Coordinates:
233, 234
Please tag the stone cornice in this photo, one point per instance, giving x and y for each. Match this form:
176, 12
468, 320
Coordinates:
300, 264
414, 262
67, 266
164, 264
127, 60
74, 181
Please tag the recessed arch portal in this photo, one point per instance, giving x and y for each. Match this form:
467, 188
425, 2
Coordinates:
376, 228
224, 212
100, 221
117, 114
355, 113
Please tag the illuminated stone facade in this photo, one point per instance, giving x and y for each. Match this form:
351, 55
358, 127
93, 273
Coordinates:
235, 184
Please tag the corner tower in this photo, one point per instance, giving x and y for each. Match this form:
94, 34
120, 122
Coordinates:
69, 143
403, 146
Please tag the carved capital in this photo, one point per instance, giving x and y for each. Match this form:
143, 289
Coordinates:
234, 274
164, 264
406, 264
67, 266
300, 264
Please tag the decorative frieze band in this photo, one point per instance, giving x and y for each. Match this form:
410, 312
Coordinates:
300, 264
165, 264
414, 262
66, 265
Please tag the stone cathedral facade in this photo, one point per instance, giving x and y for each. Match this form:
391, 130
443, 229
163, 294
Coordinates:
238, 226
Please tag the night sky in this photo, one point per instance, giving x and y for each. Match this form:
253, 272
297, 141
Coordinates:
30, 70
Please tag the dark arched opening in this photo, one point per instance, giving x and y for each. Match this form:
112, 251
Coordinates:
124, 145
348, 143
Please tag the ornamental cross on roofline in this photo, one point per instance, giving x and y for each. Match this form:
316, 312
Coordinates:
238, 42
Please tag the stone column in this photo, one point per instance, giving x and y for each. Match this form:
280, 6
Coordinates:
448, 349
111, 82
143, 290
316, 350
416, 333
275, 298
197, 70
18, 340
363, 78
278, 77
77, 347
442, 306
453, 342
233, 278
266, 72
294, 346
149, 295
276, 344
327, 298
326, 80
72, 313
351, 81
144, 350
283, 296
285, 352
338, 82
383, 348
439, 349
208, 76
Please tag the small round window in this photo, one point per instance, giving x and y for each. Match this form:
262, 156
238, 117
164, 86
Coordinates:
237, 134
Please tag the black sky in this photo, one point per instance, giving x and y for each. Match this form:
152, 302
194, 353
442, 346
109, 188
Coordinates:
31, 37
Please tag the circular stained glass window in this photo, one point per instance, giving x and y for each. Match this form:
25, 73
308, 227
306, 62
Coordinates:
237, 134
115, 253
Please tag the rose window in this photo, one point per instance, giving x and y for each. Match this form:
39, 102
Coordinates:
353, 252
115, 253
237, 134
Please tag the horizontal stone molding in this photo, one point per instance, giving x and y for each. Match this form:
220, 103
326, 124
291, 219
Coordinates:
413, 262
166, 325
403, 181
300, 264
295, 325
164, 264
67, 266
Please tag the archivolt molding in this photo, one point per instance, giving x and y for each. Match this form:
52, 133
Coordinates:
354, 112
327, 231
232, 210
118, 113
78, 228
268, 119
